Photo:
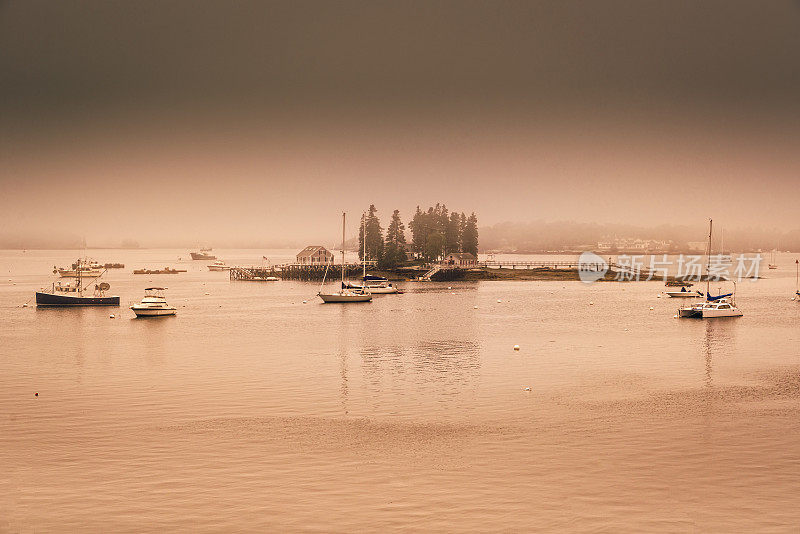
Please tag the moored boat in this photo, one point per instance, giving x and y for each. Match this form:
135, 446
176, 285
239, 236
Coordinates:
203, 255
377, 285
219, 265
73, 294
344, 294
711, 307
154, 304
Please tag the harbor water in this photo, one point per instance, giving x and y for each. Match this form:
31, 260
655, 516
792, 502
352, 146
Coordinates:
258, 408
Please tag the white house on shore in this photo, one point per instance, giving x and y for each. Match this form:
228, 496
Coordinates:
315, 255
460, 259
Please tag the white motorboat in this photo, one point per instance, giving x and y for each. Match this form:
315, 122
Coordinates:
344, 294
684, 294
219, 265
377, 285
154, 304
708, 309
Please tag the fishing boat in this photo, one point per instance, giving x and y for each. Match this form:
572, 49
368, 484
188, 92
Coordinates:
203, 254
86, 268
165, 270
797, 279
219, 265
344, 294
76, 293
711, 307
154, 304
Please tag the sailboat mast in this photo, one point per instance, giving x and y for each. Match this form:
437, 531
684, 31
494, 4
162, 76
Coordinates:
343, 219
708, 258
364, 248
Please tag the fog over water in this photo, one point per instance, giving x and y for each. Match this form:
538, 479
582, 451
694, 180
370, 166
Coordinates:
256, 122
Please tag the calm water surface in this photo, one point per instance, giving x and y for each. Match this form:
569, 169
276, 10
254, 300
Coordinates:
252, 410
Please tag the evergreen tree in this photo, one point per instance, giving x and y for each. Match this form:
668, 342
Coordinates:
452, 235
372, 233
394, 250
469, 239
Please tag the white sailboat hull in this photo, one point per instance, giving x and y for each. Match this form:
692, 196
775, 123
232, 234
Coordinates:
345, 297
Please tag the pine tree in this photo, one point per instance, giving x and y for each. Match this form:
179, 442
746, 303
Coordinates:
373, 235
394, 251
469, 239
452, 235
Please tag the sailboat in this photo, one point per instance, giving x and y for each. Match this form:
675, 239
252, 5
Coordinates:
772, 264
718, 306
797, 279
76, 294
344, 295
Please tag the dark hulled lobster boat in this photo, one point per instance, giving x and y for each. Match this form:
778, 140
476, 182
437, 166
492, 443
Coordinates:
76, 293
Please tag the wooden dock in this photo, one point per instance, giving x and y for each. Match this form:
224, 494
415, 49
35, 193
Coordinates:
530, 265
296, 272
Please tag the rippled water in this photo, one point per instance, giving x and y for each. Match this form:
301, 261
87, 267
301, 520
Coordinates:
252, 410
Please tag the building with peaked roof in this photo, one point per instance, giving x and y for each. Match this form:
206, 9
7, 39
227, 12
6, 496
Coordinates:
460, 259
315, 255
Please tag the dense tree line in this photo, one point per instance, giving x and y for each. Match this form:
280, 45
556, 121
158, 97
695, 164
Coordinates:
434, 234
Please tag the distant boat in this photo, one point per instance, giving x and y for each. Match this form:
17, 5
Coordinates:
74, 294
772, 264
154, 304
165, 270
85, 268
684, 294
219, 265
202, 255
344, 295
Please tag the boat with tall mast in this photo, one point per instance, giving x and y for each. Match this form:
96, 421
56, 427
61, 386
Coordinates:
797, 279
718, 306
344, 295
77, 293
772, 264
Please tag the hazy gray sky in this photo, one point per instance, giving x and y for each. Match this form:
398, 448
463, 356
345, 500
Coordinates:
205, 120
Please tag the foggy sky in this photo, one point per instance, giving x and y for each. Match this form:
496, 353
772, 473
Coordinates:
225, 121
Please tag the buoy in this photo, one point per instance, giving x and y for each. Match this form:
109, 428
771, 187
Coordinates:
658, 296
516, 347
591, 303
26, 305
111, 316
528, 388
499, 301
208, 293
448, 287
36, 394
674, 316
475, 307
305, 301
651, 307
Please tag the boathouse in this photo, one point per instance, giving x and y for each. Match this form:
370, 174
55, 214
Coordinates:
460, 259
315, 255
